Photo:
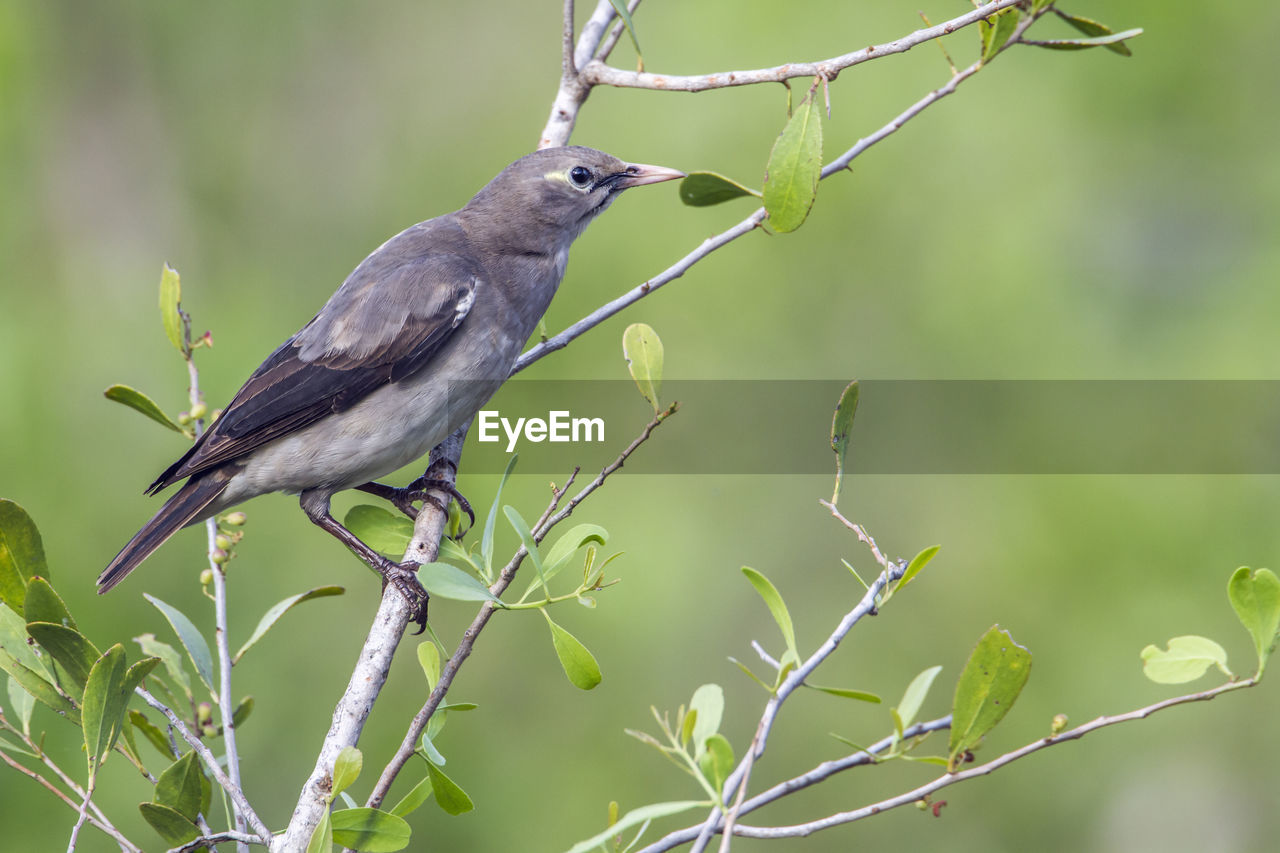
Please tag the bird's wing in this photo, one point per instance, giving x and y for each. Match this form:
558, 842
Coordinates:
384, 324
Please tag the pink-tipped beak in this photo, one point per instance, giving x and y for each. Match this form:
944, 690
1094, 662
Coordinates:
638, 174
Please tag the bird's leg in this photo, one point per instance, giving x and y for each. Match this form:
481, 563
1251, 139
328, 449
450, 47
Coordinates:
403, 576
403, 499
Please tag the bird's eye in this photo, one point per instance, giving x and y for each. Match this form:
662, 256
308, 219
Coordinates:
580, 176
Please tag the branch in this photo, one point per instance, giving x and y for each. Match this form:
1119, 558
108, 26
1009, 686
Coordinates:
207, 841
374, 663
97, 819
597, 73
211, 764
549, 519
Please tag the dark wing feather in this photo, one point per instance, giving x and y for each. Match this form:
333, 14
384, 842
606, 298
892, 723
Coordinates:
384, 324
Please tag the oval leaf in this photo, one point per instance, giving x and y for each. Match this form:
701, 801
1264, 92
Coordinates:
992, 678
140, 402
170, 296
384, 531
1185, 660
716, 762
103, 707
841, 427
21, 554
279, 609
996, 32
635, 817
446, 581
169, 823
642, 348
169, 656
346, 769
43, 604
914, 695
192, 640
180, 786
69, 648
703, 189
1256, 599
1093, 28
708, 702
449, 796
776, 606
429, 657
578, 663
35, 684
918, 562
564, 549
370, 830
795, 165
410, 802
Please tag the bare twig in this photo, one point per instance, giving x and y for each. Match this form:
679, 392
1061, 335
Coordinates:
466, 645
597, 73
211, 764
95, 820
861, 533
207, 841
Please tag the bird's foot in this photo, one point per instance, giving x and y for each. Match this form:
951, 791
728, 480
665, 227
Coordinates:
404, 577
404, 499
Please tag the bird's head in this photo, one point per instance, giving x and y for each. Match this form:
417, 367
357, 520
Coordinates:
553, 194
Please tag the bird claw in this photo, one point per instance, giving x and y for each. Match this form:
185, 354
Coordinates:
404, 577
404, 499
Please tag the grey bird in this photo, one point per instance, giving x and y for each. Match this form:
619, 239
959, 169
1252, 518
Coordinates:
409, 348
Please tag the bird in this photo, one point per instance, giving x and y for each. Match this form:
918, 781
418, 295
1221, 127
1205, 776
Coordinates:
416, 340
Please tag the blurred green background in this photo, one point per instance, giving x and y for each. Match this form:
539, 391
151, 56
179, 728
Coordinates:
1063, 216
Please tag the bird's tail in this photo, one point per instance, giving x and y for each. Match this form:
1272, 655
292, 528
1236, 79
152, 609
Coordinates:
179, 511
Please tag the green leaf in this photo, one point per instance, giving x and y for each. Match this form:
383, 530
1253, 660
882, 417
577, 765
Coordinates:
578, 663
427, 743
1255, 595
175, 829
995, 32
21, 554
445, 581
43, 604
642, 348
370, 830
776, 606
747, 670
620, 6
992, 678
69, 648
564, 549
384, 531
716, 761
795, 165
242, 712
137, 672
279, 609
169, 656
449, 796
152, 733
486, 540
39, 687
708, 703
322, 837
140, 402
841, 427
191, 639
521, 527
914, 695
411, 801
22, 703
860, 695
918, 562
635, 817
1093, 28
346, 769
180, 786
703, 189
429, 657
1185, 660
103, 705
170, 296
1085, 44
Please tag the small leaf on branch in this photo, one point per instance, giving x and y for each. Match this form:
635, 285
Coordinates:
192, 640
1186, 659
71, 649
620, 6
175, 829
914, 696
703, 189
918, 562
636, 817
384, 531
846, 693
103, 706
429, 658
642, 348
996, 31
708, 704
1255, 595
170, 298
21, 554
992, 678
1094, 29
716, 761
411, 801
370, 830
795, 165
140, 402
43, 604
38, 686
180, 786
777, 607
1085, 44
445, 581
346, 768
279, 609
577, 661
452, 799
841, 428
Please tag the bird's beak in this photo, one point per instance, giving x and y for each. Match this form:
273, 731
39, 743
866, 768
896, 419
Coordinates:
638, 174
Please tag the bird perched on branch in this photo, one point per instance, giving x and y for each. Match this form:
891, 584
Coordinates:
408, 349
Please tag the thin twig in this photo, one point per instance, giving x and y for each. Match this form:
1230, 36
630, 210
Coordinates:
211, 764
466, 645
860, 532
102, 824
568, 68
207, 841
597, 73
